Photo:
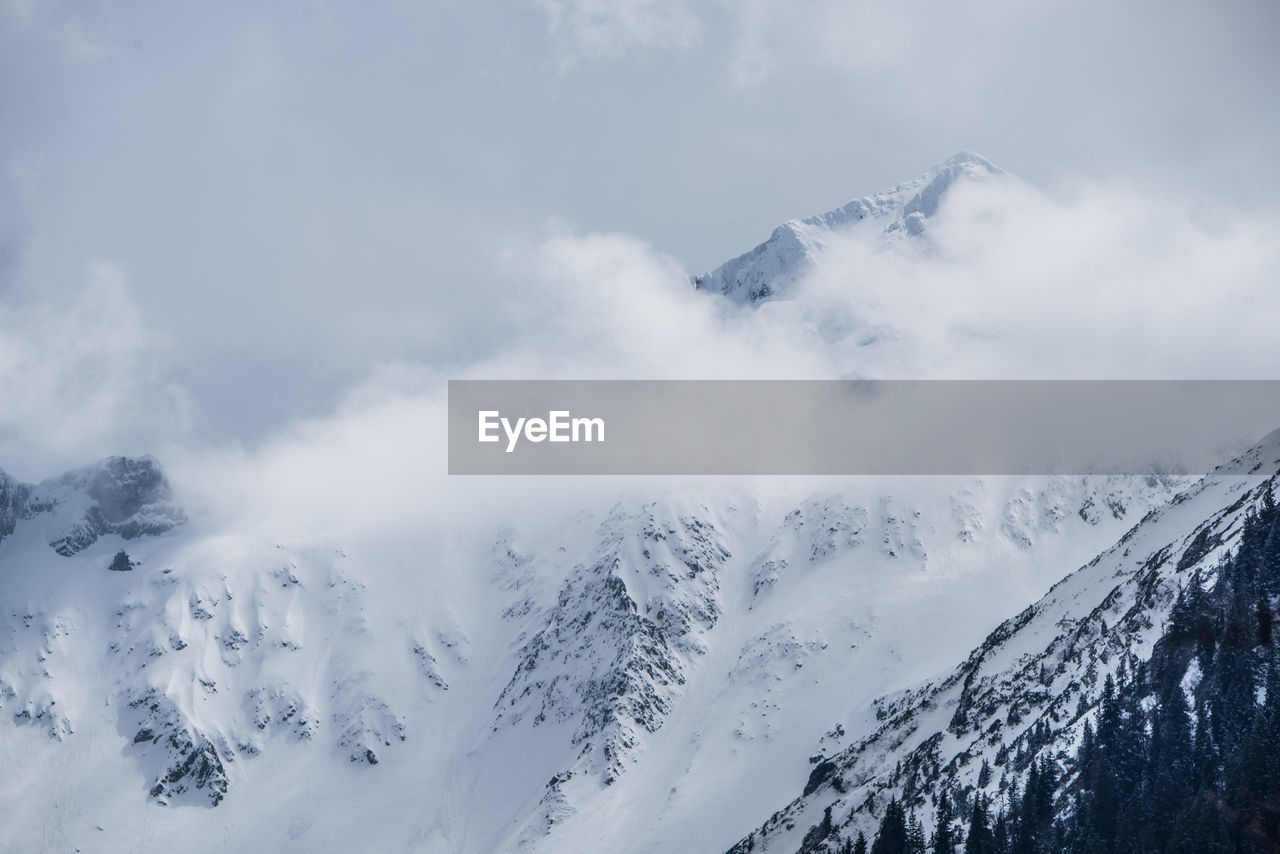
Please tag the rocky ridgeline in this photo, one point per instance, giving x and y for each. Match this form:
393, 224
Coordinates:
126, 497
768, 270
624, 631
1028, 689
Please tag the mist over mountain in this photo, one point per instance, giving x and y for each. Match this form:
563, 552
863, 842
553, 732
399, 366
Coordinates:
793, 248
305, 658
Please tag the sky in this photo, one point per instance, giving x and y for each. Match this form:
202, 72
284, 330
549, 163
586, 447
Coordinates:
221, 224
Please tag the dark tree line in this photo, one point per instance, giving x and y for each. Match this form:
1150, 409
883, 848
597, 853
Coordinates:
1182, 755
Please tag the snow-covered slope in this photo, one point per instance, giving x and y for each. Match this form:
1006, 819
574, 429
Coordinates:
829, 601
795, 246
1030, 686
623, 676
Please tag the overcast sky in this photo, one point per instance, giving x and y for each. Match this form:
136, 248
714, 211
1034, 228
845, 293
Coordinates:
217, 218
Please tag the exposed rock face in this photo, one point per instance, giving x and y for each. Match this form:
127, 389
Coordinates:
13, 500
193, 770
625, 629
129, 497
367, 725
119, 495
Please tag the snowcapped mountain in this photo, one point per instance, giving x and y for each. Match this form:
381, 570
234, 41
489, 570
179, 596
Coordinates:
629, 659
1029, 688
128, 498
795, 246
802, 607
680, 670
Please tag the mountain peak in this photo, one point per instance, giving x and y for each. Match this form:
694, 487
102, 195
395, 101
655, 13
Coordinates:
967, 156
127, 496
904, 210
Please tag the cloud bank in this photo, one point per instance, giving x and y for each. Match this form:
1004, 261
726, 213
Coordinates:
81, 376
1101, 282
318, 212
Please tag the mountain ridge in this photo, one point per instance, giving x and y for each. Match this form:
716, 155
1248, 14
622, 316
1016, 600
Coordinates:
939, 737
129, 497
657, 674
769, 270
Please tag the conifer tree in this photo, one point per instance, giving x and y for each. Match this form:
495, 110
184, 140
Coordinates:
892, 836
979, 840
944, 840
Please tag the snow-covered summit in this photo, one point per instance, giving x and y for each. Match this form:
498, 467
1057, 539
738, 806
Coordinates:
126, 496
766, 271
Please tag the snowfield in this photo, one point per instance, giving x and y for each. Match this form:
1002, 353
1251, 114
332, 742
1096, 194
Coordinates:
648, 676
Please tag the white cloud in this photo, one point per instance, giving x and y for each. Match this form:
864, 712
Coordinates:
1095, 281
602, 28
81, 377
1099, 282
300, 193
58, 22
80, 43
611, 306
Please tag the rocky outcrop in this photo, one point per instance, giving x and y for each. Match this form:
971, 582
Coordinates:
124, 496
13, 500
625, 628
127, 497
192, 765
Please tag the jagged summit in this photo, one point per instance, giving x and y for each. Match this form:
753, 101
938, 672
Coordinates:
126, 496
767, 270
